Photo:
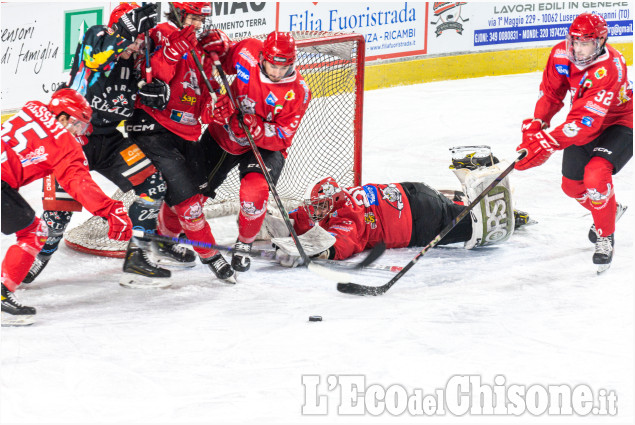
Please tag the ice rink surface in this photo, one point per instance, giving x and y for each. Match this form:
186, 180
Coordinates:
532, 309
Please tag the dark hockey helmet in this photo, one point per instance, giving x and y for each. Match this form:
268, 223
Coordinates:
194, 8
119, 11
587, 28
325, 198
279, 49
73, 104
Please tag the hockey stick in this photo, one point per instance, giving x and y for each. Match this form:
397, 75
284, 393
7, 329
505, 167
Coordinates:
194, 55
147, 48
264, 253
357, 289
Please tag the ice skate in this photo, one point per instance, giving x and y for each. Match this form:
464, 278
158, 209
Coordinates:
36, 268
139, 271
618, 214
173, 254
472, 157
522, 218
604, 252
241, 260
14, 313
220, 267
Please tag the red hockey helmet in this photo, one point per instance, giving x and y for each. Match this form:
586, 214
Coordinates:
587, 28
325, 197
194, 8
73, 104
119, 11
279, 48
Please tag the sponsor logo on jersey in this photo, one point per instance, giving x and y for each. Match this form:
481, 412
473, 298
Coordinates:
596, 109
242, 73
191, 100
270, 129
277, 109
290, 95
600, 73
371, 194
570, 129
182, 117
560, 53
370, 219
271, 99
139, 127
247, 105
306, 91
34, 157
562, 69
248, 57
588, 121
618, 65
587, 83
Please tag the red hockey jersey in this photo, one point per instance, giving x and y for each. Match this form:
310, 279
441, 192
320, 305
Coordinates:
189, 96
372, 213
34, 145
280, 105
601, 95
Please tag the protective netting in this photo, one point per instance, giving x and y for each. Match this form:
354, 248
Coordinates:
327, 143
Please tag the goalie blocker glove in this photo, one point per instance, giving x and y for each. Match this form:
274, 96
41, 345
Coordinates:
155, 94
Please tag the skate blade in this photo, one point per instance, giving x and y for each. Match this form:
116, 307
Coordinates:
168, 262
603, 267
143, 282
17, 320
231, 280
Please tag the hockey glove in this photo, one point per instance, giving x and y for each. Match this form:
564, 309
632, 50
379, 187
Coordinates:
538, 144
119, 224
253, 123
289, 260
137, 21
215, 41
179, 43
223, 110
155, 94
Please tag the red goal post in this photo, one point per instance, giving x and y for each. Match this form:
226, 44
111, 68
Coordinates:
328, 141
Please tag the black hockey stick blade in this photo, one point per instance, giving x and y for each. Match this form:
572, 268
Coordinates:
376, 252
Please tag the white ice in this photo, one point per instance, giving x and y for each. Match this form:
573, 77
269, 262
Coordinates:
533, 309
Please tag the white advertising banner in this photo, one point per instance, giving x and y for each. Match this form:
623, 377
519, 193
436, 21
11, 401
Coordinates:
244, 19
468, 27
391, 29
38, 43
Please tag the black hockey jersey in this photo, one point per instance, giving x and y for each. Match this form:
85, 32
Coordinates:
108, 83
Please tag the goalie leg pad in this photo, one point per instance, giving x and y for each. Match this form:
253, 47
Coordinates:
254, 193
493, 218
20, 256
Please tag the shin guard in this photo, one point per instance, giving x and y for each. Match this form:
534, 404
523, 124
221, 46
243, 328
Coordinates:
19, 257
254, 193
194, 224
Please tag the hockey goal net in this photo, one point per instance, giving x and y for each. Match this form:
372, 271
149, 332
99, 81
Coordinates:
327, 143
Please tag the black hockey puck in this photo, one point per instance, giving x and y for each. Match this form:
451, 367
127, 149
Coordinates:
315, 318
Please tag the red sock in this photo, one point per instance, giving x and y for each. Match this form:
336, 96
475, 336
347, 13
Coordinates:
168, 223
20, 257
192, 219
254, 193
598, 179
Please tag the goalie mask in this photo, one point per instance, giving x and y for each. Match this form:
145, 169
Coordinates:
325, 197
586, 38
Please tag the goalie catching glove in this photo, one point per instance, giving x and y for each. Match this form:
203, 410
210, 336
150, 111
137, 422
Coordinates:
317, 243
155, 94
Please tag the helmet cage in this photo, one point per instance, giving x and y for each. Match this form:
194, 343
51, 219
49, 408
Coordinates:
323, 199
76, 126
582, 61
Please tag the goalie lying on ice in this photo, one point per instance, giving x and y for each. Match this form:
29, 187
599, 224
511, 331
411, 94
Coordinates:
401, 214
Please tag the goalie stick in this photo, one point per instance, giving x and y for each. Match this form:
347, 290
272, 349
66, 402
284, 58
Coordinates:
357, 289
267, 253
